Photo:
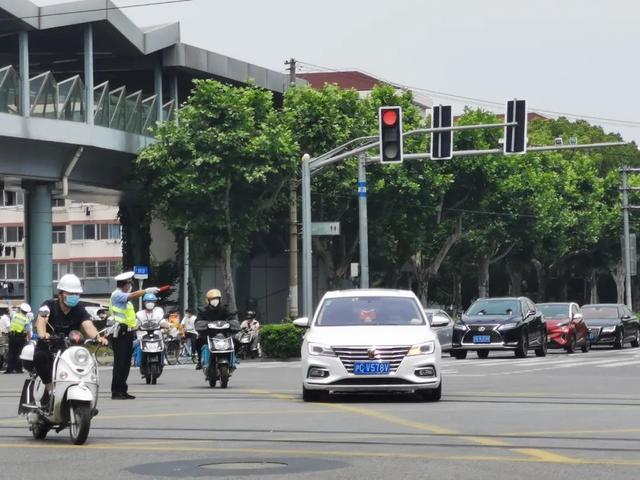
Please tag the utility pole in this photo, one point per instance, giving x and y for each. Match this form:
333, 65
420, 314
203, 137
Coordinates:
293, 221
185, 275
629, 269
362, 216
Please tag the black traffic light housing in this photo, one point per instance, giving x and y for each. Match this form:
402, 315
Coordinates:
442, 142
390, 121
515, 137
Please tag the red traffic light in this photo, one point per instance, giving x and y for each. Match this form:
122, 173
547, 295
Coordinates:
390, 117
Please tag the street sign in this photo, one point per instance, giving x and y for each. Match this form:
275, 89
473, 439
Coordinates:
325, 228
441, 142
355, 270
515, 137
141, 272
632, 253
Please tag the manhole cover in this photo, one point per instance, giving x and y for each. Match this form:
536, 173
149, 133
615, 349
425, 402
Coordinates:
243, 465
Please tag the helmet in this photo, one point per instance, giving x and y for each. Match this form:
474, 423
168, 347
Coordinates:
70, 283
213, 293
149, 297
251, 314
25, 307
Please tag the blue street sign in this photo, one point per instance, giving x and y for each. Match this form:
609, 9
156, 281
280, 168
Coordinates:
141, 272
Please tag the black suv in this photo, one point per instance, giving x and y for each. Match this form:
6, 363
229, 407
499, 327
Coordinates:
506, 323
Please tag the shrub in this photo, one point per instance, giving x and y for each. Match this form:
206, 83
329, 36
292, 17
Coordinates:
281, 341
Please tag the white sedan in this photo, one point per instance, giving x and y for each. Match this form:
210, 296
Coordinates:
369, 340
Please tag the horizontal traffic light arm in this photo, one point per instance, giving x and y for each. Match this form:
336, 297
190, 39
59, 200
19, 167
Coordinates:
460, 127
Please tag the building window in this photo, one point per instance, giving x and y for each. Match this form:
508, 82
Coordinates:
11, 234
13, 271
115, 268
59, 234
103, 269
58, 202
77, 268
54, 271
11, 199
92, 231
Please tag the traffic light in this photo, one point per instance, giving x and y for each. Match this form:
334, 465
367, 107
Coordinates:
441, 142
515, 137
390, 119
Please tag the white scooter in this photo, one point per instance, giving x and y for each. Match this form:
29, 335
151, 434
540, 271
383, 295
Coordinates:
74, 397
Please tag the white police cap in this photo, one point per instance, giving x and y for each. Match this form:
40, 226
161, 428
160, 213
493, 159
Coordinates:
124, 276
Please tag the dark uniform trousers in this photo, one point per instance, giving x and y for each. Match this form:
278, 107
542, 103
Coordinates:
122, 351
16, 342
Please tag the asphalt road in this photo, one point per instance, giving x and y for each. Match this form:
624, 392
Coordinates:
562, 417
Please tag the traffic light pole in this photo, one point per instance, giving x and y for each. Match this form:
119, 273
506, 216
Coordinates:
307, 259
627, 253
362, 217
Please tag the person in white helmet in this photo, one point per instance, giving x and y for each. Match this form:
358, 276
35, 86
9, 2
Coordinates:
123, 312
19, 329
59, 316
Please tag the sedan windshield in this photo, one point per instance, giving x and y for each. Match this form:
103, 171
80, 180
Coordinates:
551, 310
600, 312
495, 307
350, 311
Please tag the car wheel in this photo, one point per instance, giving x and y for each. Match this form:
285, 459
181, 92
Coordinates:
523, 348
571, 346
483, 353
433, 394
635, 343
313, 395
541, 351
587, 345
460, 354
618, 344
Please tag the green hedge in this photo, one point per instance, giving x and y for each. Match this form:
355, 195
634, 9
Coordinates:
281, 341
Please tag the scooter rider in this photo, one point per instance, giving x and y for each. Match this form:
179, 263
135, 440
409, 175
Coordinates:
150, 312
122, 311
213, 310
61, 315
19, 330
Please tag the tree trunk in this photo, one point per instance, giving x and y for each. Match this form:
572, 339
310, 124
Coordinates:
483, 277
542, 280
457, 291
593, 283
618, 276
564, 292
515, 281
227, 256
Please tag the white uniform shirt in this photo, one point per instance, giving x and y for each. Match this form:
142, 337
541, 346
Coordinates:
189, 323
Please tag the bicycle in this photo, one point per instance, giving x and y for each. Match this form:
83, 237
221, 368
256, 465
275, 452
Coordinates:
186, 353
104, 353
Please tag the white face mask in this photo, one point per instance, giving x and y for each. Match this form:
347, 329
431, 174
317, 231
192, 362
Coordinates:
215, 302
149, 305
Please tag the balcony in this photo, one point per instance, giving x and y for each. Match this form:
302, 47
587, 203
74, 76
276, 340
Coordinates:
115, 108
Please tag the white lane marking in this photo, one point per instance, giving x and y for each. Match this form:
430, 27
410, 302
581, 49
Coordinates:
619, 364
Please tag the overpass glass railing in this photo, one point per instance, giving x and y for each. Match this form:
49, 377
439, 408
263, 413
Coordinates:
9, 91
71, 99
44, 96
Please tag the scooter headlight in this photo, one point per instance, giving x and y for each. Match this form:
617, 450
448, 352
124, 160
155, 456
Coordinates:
221, 344
81, 357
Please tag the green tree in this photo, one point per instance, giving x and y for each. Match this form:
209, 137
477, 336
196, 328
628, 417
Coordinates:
218, 170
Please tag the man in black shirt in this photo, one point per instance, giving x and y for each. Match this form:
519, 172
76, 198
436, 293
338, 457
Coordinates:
60, 316
212, 311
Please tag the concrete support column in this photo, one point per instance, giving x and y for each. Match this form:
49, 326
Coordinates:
157, 74
38, 243
25, 94
88, 72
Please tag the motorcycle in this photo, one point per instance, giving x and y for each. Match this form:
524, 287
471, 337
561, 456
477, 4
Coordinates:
218, 356
73, 400
248, 345
153, 347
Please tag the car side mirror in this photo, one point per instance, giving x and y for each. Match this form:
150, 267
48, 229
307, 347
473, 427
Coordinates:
578, 316
302, 322
530, 313
439, 321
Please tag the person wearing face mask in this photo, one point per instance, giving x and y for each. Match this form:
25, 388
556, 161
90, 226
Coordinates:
60, 316
213, 310
124, 314
150, 312
19, 330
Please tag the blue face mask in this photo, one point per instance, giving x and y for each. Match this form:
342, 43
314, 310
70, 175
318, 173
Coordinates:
71, 300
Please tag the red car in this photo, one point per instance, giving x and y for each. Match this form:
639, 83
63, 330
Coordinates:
566, 327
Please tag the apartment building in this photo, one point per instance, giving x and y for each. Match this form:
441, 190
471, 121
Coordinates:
86, 241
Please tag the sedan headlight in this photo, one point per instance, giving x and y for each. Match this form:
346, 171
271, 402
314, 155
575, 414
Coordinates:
81, 356
460, 326
609, 329
422, 349
318, 349
507, 326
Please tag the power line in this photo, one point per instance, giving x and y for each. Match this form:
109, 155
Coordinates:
479, 101
91, 10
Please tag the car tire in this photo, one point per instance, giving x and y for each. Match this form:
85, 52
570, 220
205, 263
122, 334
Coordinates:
635, 343
523, 349
460, 354
541, 351
433, 394
483, 353
587, 345
571, 346
313, 395
618, 344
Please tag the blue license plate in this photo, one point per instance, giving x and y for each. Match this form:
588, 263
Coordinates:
371, 368
482, 339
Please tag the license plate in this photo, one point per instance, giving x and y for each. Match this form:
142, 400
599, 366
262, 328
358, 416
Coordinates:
482, 339
371, 368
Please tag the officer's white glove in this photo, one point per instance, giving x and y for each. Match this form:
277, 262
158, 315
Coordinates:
152, 290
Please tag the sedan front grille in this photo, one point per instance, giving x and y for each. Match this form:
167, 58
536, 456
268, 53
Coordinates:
393, 355
594, 332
